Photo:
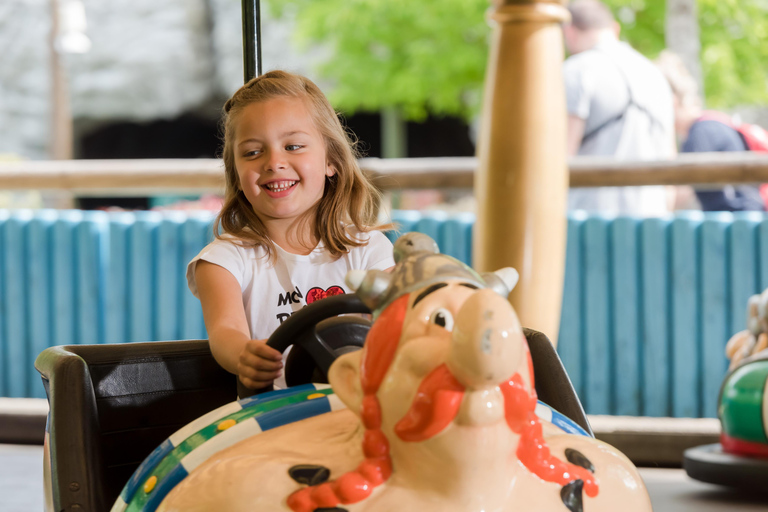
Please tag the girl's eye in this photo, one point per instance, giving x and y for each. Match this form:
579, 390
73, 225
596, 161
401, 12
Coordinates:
252, 153
292, 147
443, 318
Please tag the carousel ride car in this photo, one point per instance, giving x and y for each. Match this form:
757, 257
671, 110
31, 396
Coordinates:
740, 459
437, 411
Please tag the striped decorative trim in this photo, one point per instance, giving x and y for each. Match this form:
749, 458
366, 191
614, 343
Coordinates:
547, 413
190, 446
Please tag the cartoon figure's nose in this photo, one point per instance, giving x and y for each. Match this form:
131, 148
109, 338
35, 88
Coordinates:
487, 343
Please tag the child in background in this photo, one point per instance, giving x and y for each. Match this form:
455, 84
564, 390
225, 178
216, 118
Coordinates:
298, 214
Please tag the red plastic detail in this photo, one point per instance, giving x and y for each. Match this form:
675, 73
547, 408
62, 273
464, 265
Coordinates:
381, 344
371, 412
741, 447
323, 495
355, 486
372, 471
436, 404
352, 487
532, 449
375, 444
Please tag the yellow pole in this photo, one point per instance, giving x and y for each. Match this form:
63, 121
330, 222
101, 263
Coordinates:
521, 184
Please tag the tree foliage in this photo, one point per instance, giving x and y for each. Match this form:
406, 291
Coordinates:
429, 56
734, 44
417, 55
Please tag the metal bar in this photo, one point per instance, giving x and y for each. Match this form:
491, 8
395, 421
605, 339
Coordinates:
251, 39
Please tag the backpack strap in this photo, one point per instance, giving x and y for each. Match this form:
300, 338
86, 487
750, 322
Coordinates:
630, 103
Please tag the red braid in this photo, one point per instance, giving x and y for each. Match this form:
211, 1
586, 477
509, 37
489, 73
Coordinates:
355, 486
532, 449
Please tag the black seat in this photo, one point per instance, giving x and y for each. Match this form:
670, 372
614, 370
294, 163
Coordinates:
553, 386
111, 405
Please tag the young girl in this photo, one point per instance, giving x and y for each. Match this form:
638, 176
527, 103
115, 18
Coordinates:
298, 214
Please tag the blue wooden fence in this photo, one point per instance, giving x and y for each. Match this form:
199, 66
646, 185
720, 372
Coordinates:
648, 303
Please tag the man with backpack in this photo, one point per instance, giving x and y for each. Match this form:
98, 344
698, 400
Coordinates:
619, 105
706, 131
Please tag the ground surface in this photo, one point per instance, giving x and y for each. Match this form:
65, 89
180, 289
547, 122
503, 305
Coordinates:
21, 487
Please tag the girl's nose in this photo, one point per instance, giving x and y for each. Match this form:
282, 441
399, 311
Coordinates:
276, 161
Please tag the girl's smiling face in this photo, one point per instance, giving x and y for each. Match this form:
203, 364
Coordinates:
280, 158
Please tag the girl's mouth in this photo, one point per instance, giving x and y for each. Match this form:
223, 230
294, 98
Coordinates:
278, 187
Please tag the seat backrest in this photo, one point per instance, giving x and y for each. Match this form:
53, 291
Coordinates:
111, 405
553, 386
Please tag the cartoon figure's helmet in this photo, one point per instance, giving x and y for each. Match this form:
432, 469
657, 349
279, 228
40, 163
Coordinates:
418, 263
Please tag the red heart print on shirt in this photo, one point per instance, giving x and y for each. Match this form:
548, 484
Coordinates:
318, 293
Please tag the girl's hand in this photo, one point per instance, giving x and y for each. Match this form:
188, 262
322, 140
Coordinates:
259, 364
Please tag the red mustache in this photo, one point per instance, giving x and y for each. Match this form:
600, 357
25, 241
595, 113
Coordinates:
435, 406
437, 403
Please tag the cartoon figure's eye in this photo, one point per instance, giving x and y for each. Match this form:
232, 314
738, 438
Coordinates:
443, 318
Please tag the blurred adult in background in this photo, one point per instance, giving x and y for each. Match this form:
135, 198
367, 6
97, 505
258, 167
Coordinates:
702, 131
619, 105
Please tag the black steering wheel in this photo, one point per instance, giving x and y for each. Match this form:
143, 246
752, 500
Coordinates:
318, 335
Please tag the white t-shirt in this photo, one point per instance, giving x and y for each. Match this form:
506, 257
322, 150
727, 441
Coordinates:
272, 292
597, 85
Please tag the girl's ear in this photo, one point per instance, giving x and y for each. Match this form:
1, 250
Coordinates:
330, 170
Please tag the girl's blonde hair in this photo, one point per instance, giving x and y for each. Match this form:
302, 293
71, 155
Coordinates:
348, 197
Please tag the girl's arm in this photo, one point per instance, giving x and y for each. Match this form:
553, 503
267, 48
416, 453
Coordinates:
256, 364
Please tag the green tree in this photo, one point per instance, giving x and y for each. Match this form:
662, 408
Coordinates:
419, 57
429, 56
734, 44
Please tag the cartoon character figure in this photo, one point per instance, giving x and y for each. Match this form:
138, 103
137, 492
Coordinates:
743, 407
754, 339
740, 459
440, 416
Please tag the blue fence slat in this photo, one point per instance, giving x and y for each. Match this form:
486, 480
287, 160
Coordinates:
405, 220
714, 308
142, 253
117, 276
196, 233
685, 361
17, 319
169, 277
4, 214
626, 321
570, 344
39, 293
63, 275
16, 348
744, 268
90, 236
456, 237
430, 224
655, 317
597, 319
